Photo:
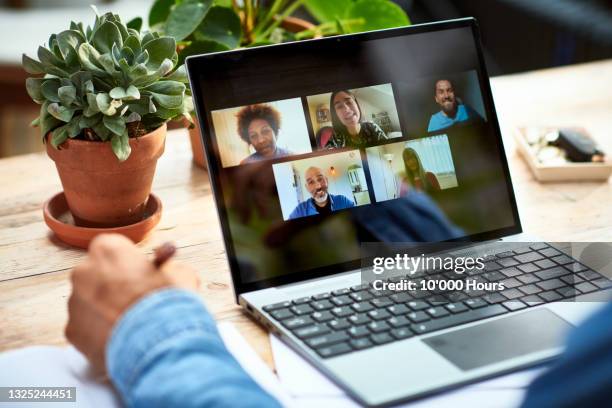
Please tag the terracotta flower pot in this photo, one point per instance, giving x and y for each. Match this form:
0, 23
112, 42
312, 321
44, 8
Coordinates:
100, 190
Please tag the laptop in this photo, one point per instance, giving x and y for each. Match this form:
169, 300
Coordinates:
324, 150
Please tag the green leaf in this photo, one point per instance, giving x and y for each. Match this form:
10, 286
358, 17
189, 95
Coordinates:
49, 89
121, 146
145, 80
31, 66
51, 64
69, 40
326, 10
105, 36
135, 23
159, 50
132, 93
89, 58
60, 112
117, 93
185, 17
222, 3
115, 124
133, 117
105, 104
73, 128
59, 136
168, 94
201, 47
46, 121
221, 25
159, 11
33, 86
376, 15
66, 94
180, 75
133, 43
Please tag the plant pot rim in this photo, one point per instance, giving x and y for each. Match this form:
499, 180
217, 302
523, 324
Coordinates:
81, 142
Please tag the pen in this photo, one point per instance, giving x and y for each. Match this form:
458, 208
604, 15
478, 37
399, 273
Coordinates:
163, 253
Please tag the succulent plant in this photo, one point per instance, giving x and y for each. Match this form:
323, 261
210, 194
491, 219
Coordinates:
108, 82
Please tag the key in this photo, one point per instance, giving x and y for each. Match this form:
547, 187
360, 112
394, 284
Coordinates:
530, 289
586, 287
361, 296
475, 303
460, 318
276, 306
301, 300
552, 273
457, 307
341, 300
339, 324
359, 331
549, 252
510, 272
417, 305
437, 311
379, 314
506, 262
528, 257
528, 268
362, 307
334, 350
281, 314
562, 259
381, 302
528, 278
323, 316
342, 311
418, 317
401, 333
550, 296
321, 296
545, 264
399, 321
360, 318
550, 284
397, 310
342, 291
322, 305
381, 338
360, 344
311, 331
514, 305
378, 327
302, 309
297, 322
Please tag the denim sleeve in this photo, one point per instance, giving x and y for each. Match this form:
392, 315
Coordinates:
582, 377
165, 351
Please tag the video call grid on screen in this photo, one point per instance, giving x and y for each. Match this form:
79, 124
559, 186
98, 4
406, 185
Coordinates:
410, 76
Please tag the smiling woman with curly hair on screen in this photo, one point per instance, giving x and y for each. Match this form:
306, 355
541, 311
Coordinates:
258, 125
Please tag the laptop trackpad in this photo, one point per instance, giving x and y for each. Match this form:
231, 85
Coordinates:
501, 339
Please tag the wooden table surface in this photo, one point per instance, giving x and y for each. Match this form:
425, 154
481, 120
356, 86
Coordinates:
34, 266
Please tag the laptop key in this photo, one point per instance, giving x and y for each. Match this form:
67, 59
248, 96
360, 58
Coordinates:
562, 259
514, 305
506, 254
528, 267
401, 297
342, 291
522, 250
361, 296
511, 283
399, 321
379, 314
302, 300
418, 317
401, 333
276, 306
571, 279
360, 318
324, 316
527, 279
281, 314
506, 262
589, 275
327, 339
359, 331
342, 311
491, 266
551, 273
417, 305
529, 289
341, 300
334, 350
297, 322
510, 272
362, 307
322, 296
538, 246
302, 309
576, 267
398, 310
528, 257
456, 307
512, 293
360, 344
494, 298
311, 331
321, 305
602, 283
381, 338
378, 327
586, 287
567, 292
437, 311
360, 287
475, 303
550, 296
458, 319
549, 252
550, 284
545, 264
382, 302
532, 300
339, 324
493, 276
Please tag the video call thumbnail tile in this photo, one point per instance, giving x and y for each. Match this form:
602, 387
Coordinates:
261, 131
321, 185
437, 104
354, 117
424, 164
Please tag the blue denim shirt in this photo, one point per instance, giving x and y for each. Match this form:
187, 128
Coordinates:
306, 208
165, 351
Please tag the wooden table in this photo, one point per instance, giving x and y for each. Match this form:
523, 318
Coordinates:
34, 266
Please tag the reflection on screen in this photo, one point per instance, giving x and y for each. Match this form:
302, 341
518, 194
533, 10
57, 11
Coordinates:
321, 151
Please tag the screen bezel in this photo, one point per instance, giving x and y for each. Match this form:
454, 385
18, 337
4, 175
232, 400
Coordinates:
194, 65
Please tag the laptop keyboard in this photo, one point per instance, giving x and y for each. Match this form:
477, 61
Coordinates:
360, 317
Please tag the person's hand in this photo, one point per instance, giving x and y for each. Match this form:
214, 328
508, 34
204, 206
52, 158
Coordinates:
114, 276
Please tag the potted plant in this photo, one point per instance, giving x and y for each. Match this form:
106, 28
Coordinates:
106, 93
203, 26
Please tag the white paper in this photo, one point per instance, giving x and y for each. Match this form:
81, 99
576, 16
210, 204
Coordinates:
311, 388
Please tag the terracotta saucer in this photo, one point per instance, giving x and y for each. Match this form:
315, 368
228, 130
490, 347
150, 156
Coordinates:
58, 218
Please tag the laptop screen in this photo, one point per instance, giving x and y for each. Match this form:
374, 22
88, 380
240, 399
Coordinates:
317, 147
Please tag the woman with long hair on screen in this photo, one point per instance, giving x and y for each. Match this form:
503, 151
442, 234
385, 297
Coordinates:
350, 127
415, 176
